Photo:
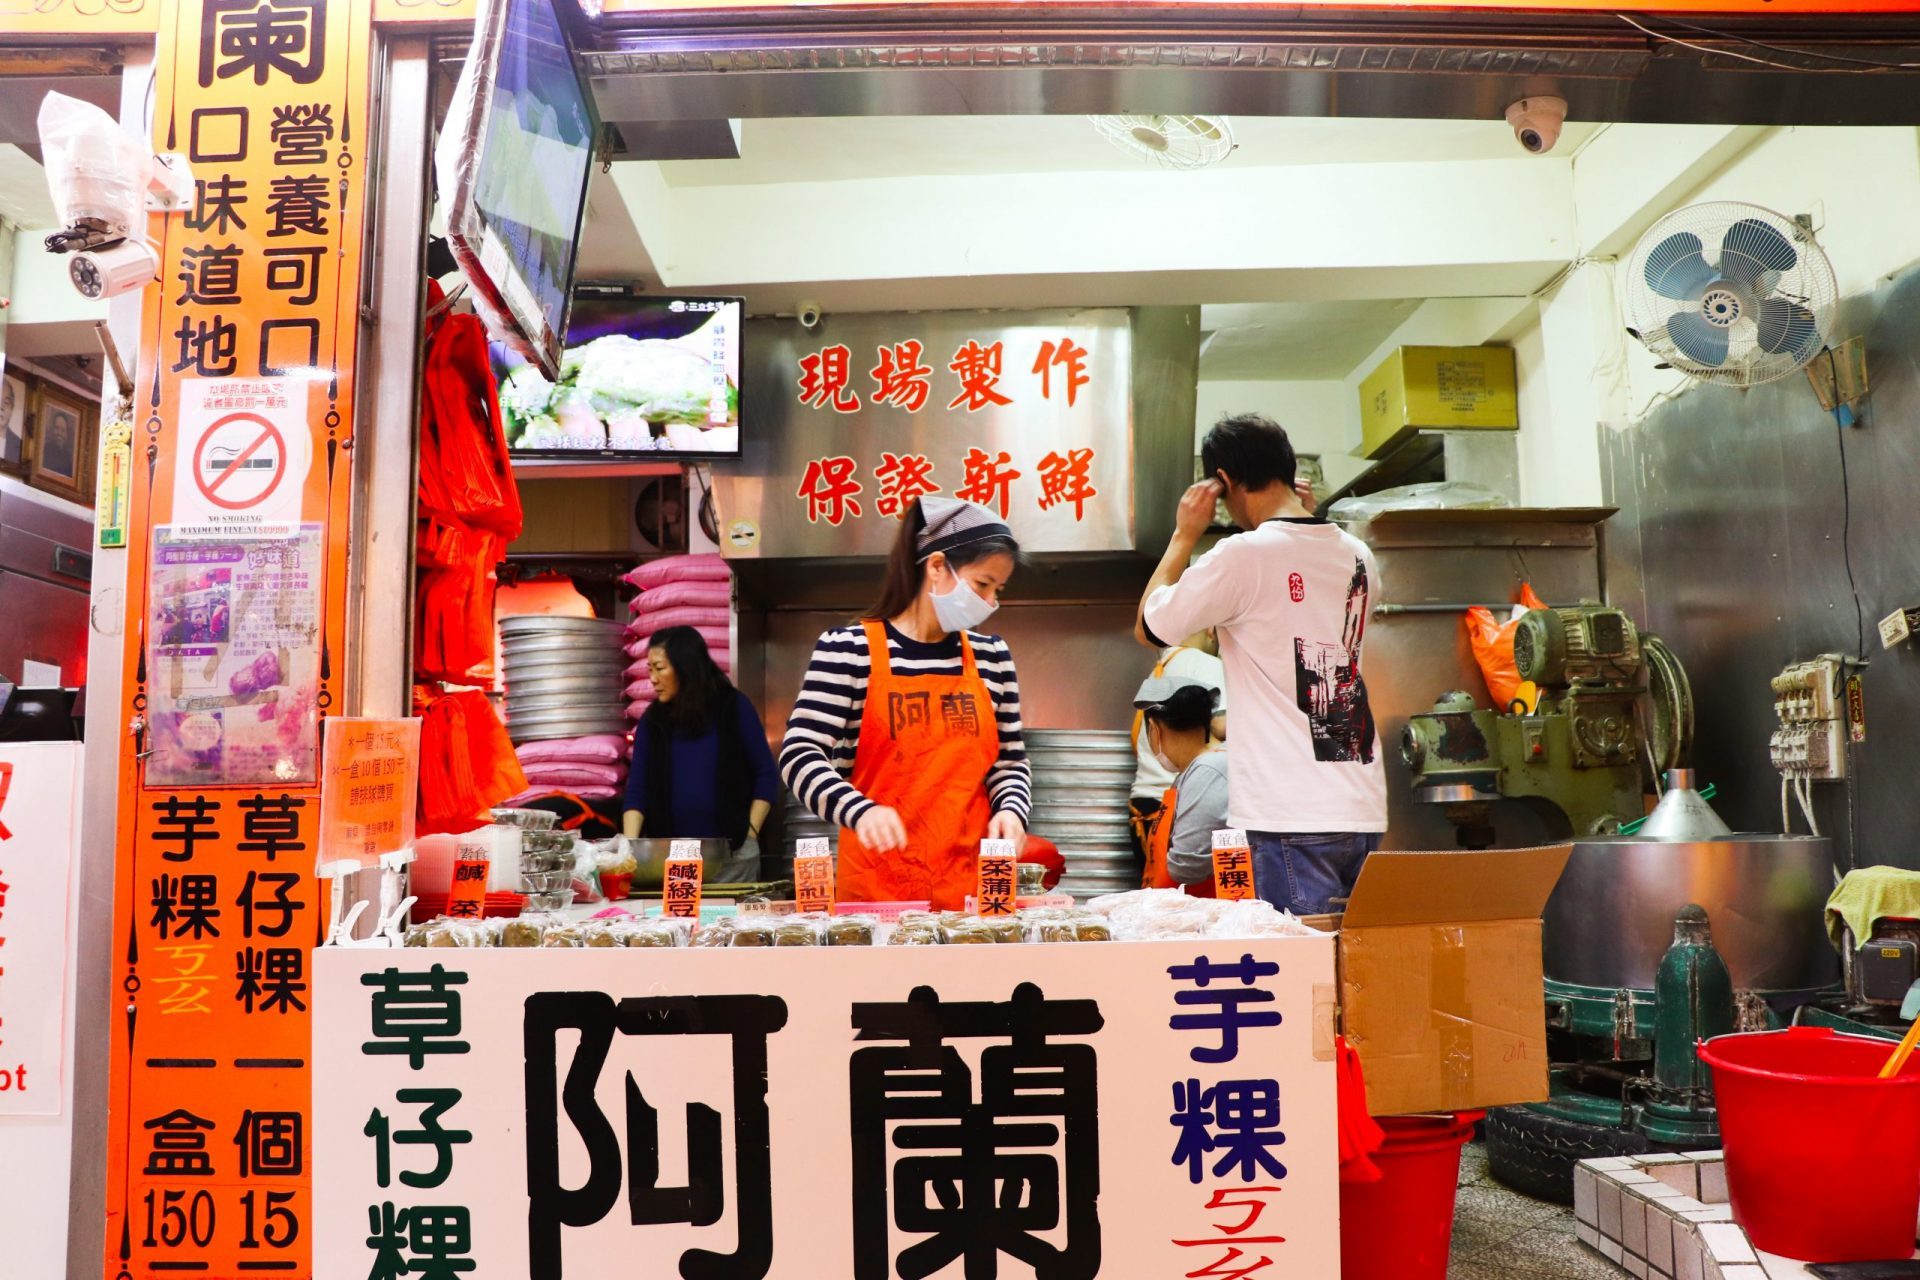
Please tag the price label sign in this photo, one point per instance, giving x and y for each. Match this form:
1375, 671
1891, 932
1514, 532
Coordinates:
467, 899
686, 872
812, 876
999, 882
1232, 865
1856, 709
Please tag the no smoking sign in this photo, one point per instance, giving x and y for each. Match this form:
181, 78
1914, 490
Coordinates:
243, 454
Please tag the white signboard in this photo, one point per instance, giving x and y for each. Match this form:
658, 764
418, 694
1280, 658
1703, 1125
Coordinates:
37, 838
1067, 1110
244, 450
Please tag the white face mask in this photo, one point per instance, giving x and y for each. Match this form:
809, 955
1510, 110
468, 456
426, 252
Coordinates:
1160, 758
962, 608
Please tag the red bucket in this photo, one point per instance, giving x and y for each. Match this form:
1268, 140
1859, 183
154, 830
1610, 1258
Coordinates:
1823, 1158
1400, 1227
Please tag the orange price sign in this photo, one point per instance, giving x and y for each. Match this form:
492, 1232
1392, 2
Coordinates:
686, 872
467, 899
1232, 865
812, 876
999, 880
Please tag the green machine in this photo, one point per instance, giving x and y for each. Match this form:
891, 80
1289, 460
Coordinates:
1613, 705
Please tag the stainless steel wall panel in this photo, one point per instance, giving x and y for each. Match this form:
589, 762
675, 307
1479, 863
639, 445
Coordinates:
1734, 517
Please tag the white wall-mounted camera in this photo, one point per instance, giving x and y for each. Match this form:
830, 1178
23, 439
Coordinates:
104, 183
1536, 123
809, 314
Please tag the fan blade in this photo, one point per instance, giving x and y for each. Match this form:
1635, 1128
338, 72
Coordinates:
1697, 339
1751, 248
1675, 268
1787, 327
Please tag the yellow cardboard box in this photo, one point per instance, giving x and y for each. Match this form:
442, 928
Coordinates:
1438, 389
1440, 977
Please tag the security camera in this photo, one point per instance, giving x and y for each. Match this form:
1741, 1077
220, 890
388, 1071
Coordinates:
809, 314
116, 269
1536, 123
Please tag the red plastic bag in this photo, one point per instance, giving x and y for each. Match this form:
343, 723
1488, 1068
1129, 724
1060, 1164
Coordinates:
1493, 649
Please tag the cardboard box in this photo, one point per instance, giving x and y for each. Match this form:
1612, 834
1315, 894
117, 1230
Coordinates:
1437, 389
1440, 977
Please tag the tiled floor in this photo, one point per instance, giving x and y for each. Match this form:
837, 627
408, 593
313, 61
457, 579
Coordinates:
1502, 1235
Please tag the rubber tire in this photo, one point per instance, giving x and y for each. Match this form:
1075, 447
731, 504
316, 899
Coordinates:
1534, 1153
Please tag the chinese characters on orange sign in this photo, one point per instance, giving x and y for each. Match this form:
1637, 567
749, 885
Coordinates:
812, 876
685, 877
1232, 865
998, 879
236, 544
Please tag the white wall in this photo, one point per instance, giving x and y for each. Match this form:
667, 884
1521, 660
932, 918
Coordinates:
41, 291
1320, 417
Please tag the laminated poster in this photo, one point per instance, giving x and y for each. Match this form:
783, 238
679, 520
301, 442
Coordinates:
233, 663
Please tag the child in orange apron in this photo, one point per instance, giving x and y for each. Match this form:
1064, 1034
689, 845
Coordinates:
1177, 714
928, 709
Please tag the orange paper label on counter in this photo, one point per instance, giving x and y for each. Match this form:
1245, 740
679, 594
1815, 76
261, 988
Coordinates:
369, 776
1232, 865
686, 872
999, 879
812, 876
467, 895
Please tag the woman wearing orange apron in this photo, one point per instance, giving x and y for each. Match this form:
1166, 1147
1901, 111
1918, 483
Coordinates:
1177, 714
906, 732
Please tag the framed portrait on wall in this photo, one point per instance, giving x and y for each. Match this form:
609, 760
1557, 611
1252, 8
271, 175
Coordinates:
62, 444
13, 425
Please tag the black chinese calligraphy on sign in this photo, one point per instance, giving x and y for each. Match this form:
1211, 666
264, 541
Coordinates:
976, 1169
746, 1021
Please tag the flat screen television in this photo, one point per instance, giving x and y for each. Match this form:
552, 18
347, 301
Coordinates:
515, 156
641, 377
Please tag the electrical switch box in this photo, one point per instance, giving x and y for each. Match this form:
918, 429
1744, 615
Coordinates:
1809, 699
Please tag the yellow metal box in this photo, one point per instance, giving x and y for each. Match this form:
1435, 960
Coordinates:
1437, 389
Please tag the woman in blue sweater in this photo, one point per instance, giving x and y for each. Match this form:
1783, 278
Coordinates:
701, 766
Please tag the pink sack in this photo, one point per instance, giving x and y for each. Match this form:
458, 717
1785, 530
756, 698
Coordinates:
701, 568
702, 616
719, 644
598, 748
584, 793
577, 775
704, 595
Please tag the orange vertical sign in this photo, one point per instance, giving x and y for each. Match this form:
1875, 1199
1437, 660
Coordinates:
812, 876
236, 579
685, 876
1232, 865
999, 879
472, 864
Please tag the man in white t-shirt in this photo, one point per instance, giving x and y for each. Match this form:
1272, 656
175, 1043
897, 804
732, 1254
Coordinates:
1289, 599
1195, 658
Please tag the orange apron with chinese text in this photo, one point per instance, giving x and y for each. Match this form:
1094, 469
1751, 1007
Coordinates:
1159, 840
926, 745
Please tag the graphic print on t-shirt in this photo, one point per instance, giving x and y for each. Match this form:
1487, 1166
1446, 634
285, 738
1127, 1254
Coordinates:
1329, 688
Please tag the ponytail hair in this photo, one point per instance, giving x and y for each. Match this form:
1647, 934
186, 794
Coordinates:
906, 571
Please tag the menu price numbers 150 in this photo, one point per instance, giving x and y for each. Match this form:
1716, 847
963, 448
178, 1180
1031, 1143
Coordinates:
178, 1218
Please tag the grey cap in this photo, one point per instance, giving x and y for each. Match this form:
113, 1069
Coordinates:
953, 523
1155, 690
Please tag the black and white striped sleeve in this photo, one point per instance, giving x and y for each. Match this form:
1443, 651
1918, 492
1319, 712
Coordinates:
1010, 780
823, 731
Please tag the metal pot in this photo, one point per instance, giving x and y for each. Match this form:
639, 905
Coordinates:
1611, 917
651, 856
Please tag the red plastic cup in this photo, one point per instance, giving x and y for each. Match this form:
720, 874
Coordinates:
1823, 1157
615, 885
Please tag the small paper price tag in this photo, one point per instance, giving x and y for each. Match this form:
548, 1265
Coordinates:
812, 876
467, 897
685, 874
999, 879
1232, 865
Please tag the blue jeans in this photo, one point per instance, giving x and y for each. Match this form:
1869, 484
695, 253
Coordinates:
1305, 873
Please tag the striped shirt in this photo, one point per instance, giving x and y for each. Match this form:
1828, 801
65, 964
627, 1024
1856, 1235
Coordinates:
823, 733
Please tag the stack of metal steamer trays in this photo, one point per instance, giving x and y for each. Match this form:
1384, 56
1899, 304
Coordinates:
565, 677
